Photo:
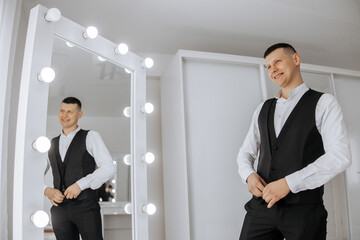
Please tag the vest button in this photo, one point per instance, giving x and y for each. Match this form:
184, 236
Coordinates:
275, 148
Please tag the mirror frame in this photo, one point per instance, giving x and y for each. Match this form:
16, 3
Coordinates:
32, 113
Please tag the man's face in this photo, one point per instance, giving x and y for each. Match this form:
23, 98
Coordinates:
69, 115
282, 67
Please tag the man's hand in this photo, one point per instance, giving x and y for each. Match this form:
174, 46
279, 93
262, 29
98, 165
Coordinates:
54, 195
275, 191
73, 191
256, 184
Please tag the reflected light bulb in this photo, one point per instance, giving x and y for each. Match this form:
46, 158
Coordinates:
47, 75
40, 219
114, 162
127, 112
113, 191
69, 44
148, 63
113, 181
53, 15
147, 108
91, 32
127, 70
148, 157
128, 208
122, 49
101, 59
113, 200
127, 159
42, 144
150, 208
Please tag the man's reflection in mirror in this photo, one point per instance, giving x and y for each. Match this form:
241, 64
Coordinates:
80, 164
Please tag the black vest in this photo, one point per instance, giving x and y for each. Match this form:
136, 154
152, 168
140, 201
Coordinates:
299, 143
77, 164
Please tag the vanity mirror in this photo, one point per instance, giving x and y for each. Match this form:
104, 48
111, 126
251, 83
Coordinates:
79, 72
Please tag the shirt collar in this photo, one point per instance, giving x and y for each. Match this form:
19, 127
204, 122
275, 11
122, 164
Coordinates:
71, 133
294, 92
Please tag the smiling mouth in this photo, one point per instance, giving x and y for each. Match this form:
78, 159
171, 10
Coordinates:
277, 76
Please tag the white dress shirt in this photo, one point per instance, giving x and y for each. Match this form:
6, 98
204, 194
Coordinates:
97, 149
330, 123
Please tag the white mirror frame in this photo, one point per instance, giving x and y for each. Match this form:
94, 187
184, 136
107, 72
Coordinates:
32, 114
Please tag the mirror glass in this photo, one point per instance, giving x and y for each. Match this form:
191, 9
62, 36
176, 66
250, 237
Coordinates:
104, 90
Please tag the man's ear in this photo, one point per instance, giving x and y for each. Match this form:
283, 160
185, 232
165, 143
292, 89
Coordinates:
80, 114
297, 58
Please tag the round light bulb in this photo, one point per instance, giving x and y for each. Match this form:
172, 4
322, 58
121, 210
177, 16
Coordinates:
40, 219
150, 208
148, 63
147, 108
91, 32
113, 181
128, 208
113, 200
69, 44
148, 157
53, 15
113, 191
114, 162
127, 159
42, 144
47, 75
101, 59
127, 70
127, 112
122, 49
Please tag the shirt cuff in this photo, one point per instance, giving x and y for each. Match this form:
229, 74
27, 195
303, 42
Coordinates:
245, 174
294, 182
82, 184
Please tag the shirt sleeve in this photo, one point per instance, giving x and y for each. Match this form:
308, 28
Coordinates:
249, 150
106, 168
337, 157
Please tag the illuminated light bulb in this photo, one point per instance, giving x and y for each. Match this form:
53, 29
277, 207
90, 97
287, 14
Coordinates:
69, 44
113, 191
150, 209
148, 63
101, 59
127, 70
147, 108
127, 112
114, 162
113, 200
53, 15
128, 208
122, 49
148, 157
90, 32
47, 75
127, 159
113, 181
42, 144
100, 199
40, 219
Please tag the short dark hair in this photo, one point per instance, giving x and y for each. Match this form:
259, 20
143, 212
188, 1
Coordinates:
287, 47
72, 100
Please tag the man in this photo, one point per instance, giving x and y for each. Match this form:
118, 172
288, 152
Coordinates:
303, 143
80, 164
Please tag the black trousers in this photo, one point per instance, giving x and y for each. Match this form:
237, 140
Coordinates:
73, 217
292, 222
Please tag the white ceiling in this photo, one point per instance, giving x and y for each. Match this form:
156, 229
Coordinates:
324, 32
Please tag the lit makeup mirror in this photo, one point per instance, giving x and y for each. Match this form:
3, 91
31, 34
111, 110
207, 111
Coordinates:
110, 83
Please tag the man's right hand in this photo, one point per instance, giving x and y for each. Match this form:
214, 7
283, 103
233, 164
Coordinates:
255, 184
54, 195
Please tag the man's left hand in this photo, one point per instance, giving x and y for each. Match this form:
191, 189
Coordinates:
275, 191
73, 191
